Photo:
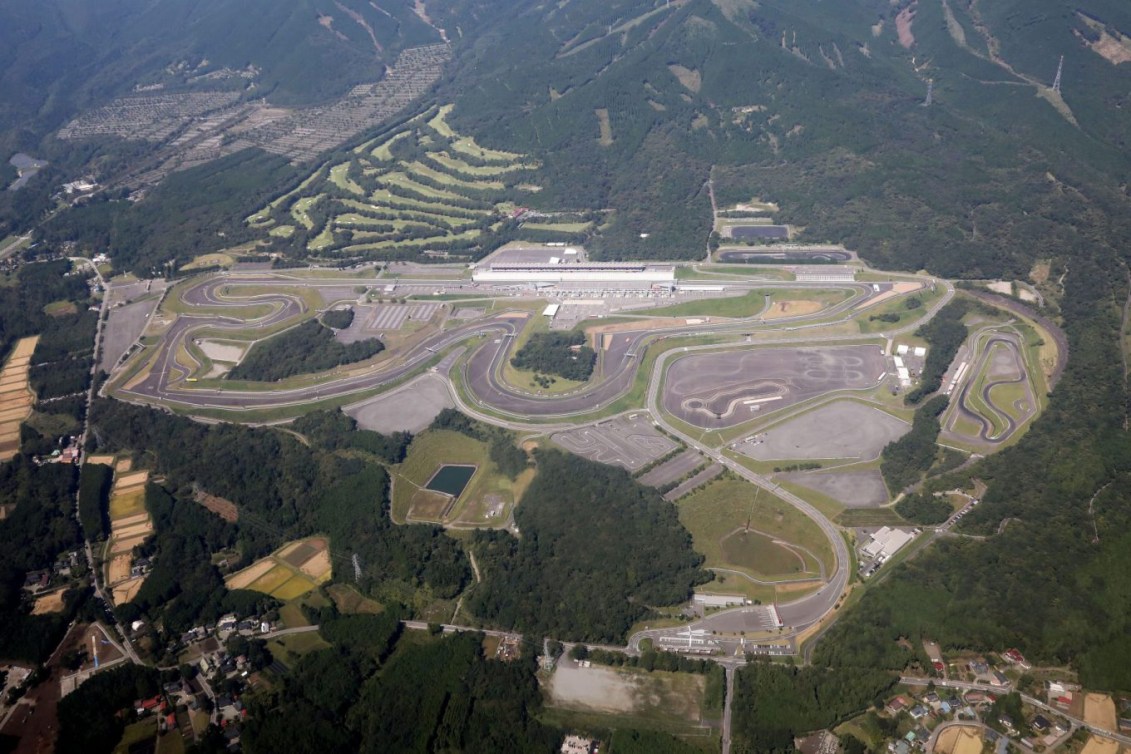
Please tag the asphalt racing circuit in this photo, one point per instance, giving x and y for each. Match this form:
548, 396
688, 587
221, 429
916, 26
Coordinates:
707, 373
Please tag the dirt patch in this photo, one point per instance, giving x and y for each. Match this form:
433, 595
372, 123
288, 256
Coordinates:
605, 128
689, 77
903, 26
119, 568
1099, 710
428, 506
1114, 48
49, 603
1098, 745
225, 509
126, 591
1040, 272
244, 578
136, 479
124, 465
317, 567
792, 308
959, 740
593, 688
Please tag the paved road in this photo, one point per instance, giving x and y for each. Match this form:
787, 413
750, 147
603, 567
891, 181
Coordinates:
728, 706
99, 591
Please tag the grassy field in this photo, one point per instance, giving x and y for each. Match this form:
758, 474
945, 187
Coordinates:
719, 514
288, 649
488, 492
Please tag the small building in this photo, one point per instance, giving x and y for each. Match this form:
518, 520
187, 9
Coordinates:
551, 310
718, 600
919, 351
1014, 657
902, 349
886, 542
1041, 724
896, 705
998, 679
918, 712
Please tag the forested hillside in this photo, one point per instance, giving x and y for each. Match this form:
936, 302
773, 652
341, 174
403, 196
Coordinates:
597, 549
56, 56
814, 105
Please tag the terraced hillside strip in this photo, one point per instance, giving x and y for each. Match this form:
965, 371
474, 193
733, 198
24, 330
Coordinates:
130, 525
293, 570
16, 397
421, 187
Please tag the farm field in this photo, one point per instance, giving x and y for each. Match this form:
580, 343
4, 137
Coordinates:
739, 528
16, 398
486, 500
293, 570
422, 185
130, 525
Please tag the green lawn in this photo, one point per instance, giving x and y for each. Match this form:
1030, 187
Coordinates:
716, 516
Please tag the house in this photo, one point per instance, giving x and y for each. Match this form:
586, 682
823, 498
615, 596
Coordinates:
1016, 658
1041, 724
998, 679
896, 705
918, 712
954, 701
932, 698
979, 667
899, 747
944, 708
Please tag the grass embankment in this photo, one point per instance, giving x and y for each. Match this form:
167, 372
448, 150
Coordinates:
740, 527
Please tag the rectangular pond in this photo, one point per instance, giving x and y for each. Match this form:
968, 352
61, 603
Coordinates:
451, 479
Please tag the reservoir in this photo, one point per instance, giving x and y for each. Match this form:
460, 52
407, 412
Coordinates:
451, 479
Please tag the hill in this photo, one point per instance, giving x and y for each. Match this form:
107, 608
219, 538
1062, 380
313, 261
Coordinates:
57, 56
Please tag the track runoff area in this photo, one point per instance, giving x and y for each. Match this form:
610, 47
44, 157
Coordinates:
721, 368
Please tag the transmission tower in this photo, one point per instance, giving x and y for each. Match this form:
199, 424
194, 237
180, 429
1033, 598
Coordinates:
1059, 70
930, 93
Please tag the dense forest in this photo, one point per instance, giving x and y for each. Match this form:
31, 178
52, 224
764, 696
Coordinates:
40, 526
596, 549
564, 354
905, 461
773, 703
359, 696
944, 335
305, 349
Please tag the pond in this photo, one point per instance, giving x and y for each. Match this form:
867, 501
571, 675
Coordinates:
451, 479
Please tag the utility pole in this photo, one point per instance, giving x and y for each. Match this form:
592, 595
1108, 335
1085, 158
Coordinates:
1059, 70
930, 93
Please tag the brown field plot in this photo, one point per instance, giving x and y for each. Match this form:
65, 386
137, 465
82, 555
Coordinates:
291, 571
959, 740
225, 509
1099, 710
16, 399
130, 525
49, 603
